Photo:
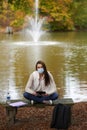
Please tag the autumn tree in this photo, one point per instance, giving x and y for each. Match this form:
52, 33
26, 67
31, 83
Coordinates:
79, 13
10, 15
58, 13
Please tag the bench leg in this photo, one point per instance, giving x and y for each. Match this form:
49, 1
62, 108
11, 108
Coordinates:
11, 113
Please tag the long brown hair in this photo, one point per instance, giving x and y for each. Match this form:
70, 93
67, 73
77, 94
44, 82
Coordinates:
47, 77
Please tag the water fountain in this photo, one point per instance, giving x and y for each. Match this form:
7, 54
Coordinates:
35, 24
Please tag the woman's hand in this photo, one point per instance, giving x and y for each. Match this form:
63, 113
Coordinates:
34, 93
45, 94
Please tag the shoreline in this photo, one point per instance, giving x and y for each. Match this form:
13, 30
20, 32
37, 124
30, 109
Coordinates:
33, 118
3, 30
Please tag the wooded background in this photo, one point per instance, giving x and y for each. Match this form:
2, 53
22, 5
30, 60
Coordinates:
61, 15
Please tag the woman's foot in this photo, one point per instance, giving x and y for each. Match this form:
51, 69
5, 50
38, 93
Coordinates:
48, 102
32, 102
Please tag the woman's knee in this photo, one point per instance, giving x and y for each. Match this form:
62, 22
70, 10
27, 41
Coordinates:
54, 96
26, 95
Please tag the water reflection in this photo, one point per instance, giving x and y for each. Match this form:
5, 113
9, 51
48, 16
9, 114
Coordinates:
65, 57
76, 72
73, 89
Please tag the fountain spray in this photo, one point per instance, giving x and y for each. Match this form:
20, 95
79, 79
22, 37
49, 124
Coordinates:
35, 24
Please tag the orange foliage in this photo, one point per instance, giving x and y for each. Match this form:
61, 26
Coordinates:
19, 14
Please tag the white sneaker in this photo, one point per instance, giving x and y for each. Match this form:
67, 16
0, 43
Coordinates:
48, 102
32, 102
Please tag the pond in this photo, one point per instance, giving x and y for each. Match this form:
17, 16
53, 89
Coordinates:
64, 53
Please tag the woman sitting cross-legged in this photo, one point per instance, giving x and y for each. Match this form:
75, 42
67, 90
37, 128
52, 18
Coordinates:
41, 87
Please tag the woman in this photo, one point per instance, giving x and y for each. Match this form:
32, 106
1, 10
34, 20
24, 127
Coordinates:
41, 80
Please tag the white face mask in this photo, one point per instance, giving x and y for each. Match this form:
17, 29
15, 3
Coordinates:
40, 70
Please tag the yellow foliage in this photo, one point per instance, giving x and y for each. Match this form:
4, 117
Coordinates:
5, 5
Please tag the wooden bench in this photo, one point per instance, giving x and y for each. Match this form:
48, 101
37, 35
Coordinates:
12, 111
